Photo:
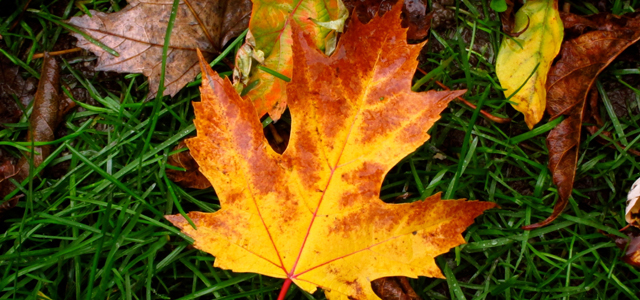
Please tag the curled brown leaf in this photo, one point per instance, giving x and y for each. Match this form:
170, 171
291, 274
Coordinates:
568, 85
508, 18
630, 245
191, 177
42, 123
394, 288
13, 85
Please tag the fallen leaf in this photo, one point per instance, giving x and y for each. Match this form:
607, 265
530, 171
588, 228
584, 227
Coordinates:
271, 26
13, 85
7, 169
524, 61
42, 123
394, 288
414, 14
191, 177
313, 215
575, 24
570, 80
507, 18
137, 33
632, 211
630, 245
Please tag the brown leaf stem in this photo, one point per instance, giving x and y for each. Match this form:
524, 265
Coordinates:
473, 106
15, 23
56, 53
517, 34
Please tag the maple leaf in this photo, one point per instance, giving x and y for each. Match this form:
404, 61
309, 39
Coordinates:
313, 214
570, 79
524, 61
137, 33
271, 26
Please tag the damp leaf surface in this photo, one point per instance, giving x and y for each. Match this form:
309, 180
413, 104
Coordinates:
570, 80
137, 34
313, 214
524, 61
270, 25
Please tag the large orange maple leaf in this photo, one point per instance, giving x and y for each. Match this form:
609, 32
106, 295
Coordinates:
313, 215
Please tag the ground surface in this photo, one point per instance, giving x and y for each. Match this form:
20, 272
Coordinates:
76, 234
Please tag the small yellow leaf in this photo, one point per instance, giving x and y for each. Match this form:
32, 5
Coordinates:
524, 61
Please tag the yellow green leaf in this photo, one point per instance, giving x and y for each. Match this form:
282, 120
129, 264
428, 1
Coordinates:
524, 61
271, 26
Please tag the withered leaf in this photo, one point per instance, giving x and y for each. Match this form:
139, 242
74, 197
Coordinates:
508, 18
576, 24
312, 214
13, 85
191, 178
137, 33
630, 245
394, 288
414, 14
42, 123
568, 85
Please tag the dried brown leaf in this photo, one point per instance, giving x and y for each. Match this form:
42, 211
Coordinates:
568, 85
508, 17
630, 245
42, 123
13, 85
137, 33
414, 14
394, 288
191, 178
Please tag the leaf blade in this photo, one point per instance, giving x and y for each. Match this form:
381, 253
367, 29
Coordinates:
531, 52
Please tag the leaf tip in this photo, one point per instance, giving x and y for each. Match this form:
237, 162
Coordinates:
203, 62
177, 220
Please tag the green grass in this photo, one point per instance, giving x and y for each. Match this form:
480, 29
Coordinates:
91, 226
